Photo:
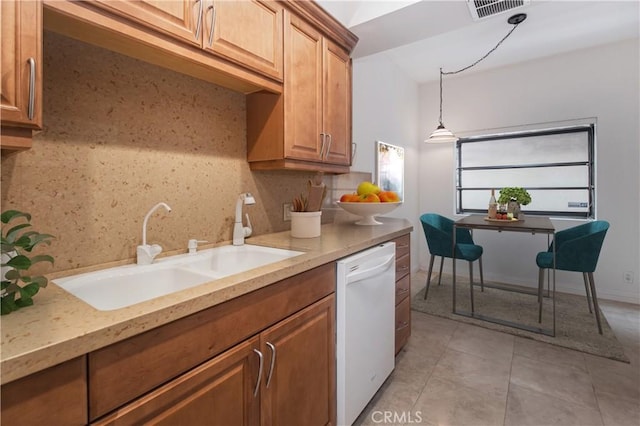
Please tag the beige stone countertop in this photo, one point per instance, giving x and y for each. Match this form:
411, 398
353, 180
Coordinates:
59, 327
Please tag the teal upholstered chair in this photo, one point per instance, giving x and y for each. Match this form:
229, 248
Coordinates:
577, 249
438, 230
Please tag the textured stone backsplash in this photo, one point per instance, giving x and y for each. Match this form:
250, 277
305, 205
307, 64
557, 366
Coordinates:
121, 135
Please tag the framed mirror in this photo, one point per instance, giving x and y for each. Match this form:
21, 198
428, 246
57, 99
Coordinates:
390, 168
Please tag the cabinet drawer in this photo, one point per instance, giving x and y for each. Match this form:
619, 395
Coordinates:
403, 323
403, 245
403, 288
403, 266
125, 370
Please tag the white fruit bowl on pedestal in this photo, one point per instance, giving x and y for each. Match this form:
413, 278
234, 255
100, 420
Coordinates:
368, 211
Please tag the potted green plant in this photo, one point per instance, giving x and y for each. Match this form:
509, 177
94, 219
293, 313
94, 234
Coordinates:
17, 243
513, 198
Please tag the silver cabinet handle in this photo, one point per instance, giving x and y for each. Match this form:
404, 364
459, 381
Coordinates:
402, 268
199, 23
261, 358
213, 23
323, 136
354, 149
32, 88
326, 154
273, 361
402, 290
403, 324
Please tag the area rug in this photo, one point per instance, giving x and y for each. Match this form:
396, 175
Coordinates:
576, 328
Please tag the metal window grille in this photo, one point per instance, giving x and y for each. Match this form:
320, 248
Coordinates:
556, 166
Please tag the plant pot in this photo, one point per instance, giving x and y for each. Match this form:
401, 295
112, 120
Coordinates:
305, 224
513, 207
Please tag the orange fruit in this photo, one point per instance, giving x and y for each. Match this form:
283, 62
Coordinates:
369, 198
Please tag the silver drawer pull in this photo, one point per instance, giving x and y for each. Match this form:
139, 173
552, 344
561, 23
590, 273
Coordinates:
273, 361
402, 290
32, 88
213, 23
403, 324
199, 22
402, 268
261, 358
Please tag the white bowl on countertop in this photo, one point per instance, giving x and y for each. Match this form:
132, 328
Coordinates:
368, 211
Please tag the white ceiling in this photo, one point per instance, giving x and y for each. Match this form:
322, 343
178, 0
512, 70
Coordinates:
422, 36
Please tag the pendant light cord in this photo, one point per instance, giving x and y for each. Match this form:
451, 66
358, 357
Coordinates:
473, 64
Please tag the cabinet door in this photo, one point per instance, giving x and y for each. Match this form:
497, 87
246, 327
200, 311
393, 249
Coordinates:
181, 19
219, 392
300, 390
246, 32
21, 63
302, 90
337, 104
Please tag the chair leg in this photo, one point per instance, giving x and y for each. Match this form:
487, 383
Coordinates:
586, 289
440, 274
540, 288
426, 289
481, 274
471, 285
595, 301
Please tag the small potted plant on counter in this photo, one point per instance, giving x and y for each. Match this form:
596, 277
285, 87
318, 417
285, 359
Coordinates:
17, 243
513, 198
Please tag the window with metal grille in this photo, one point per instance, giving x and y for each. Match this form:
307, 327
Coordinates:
556, 166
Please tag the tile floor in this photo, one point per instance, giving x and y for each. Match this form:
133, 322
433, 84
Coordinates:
452, 373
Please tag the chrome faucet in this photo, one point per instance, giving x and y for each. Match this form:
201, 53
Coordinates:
240, 232
146, 253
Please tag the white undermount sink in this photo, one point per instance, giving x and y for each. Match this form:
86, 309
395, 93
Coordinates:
124, 286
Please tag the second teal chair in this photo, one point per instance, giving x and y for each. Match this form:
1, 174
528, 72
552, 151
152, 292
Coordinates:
577, 249
438, 230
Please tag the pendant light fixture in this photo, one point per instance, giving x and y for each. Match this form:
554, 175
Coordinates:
442, 134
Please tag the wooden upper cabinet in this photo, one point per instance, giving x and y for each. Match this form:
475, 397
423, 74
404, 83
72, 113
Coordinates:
246, 32
176, 18
303, 91
337, 104
21, 72
308, 127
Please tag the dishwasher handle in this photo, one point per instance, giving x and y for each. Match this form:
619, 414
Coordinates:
359, 275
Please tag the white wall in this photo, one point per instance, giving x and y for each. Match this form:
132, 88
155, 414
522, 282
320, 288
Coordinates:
385, 108
601, 82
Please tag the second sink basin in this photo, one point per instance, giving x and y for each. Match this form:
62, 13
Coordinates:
229, 260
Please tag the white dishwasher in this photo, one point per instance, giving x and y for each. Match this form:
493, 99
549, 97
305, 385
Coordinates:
365, 324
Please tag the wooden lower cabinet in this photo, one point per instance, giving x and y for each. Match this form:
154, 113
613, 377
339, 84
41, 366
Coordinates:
403, 291
283, 376
267, 357
301, 387
55, 396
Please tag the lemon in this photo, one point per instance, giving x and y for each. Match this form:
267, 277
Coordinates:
368, 188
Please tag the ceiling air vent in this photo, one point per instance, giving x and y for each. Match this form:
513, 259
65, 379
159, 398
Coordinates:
481, 9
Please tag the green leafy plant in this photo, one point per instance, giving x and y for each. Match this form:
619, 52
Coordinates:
17, 243
520, 195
